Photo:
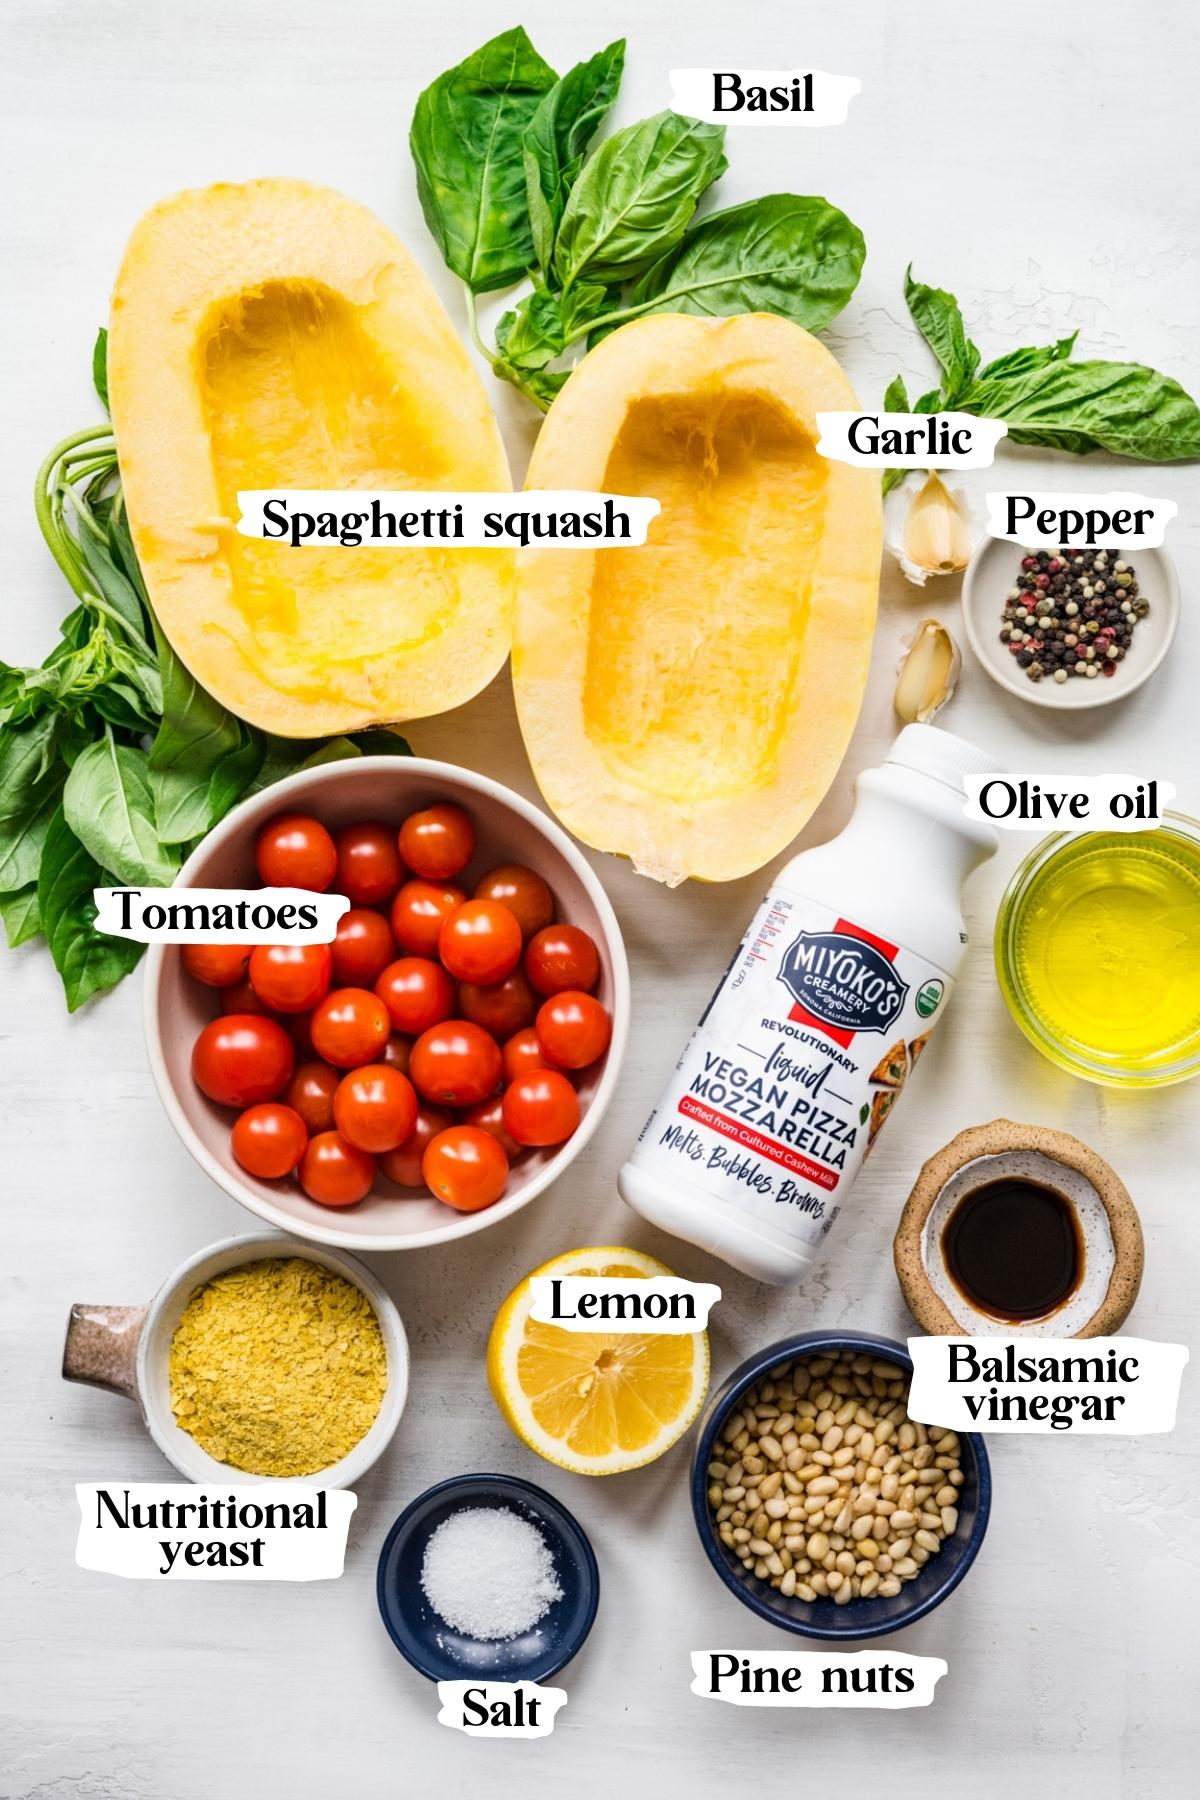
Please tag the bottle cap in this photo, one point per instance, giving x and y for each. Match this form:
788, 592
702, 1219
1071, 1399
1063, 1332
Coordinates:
940, 754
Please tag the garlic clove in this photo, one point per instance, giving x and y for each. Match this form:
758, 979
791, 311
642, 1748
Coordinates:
935, 538
928, 674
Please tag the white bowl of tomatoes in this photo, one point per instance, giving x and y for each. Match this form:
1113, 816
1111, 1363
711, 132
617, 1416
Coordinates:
438, 1065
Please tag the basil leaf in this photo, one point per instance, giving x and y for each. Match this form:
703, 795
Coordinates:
31, 779
895, 396
22, 920
202, 759
892, 478
380, 740
466, 142
108, 804
1019, 362
115, 590
937, 317
928, 403
545, 384
796, 256
86, 959
557, 137
100, 366
1083, 406
532, 335
635, 197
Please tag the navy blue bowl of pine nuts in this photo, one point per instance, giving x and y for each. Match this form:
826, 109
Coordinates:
821, 1504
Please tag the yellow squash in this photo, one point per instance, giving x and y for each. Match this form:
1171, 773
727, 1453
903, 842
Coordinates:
687, 703
276, 334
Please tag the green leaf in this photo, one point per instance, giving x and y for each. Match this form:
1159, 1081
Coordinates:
115, 590
787, 254
380, 740
86, 959
928, 403
557, 137
635, 197
108, 804
532, 335
203, 758
466, 142
895, 396
22, 920
937, 317
1020, 362
1084, 406
31, 779
100, 366
892, 478
545, 384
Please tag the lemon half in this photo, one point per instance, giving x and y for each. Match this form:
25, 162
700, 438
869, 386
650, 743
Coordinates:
600, 1402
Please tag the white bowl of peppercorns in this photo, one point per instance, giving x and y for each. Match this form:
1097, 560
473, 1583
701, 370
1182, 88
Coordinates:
1070, 627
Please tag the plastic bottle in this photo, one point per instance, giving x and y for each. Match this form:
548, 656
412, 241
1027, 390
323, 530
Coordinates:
818, 1021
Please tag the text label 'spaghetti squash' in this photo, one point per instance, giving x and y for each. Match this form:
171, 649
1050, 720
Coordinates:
686, 703
276, 334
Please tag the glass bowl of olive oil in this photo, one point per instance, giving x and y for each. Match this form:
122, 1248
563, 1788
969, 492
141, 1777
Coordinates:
1098, 952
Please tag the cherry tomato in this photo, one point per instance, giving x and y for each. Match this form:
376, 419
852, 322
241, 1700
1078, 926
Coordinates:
375, 1108
465, 1167
489, 1116
369, 869
334, 1172
437, 843
310, 1093
216, 965
502, 1008
455, 1063
241, 997
397, 1052
242, 1058
418, 993
418, 911
524, 893
350, 1027
363, 947
562, 956
403, 1166
268, 1141
291, 978
480, 942
541, 1108
299, 1028
295, 851
521, 1053
573, 1029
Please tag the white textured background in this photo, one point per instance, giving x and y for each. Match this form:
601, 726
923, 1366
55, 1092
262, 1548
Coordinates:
1040, 161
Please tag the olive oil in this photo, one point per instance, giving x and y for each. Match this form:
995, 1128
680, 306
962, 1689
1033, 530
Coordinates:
1102, 953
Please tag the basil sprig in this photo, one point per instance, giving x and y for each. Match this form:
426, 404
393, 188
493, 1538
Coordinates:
510, 188
1044, 396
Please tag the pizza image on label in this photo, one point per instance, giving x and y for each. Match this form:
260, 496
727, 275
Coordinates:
881, 1107
891, 1069
916, 1047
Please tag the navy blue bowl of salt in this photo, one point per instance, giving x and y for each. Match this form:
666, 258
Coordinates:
436, 1648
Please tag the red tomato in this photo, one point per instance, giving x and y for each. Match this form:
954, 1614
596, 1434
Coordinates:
363, 947
466, 1168
350, 1027
403, 1166
299, 1028
375, 1108
241, 997
268, 1141
562, 956
573, 1029
489, 1116
480, 942
418, 993
418, 911
216, 965
521, 1053
502, 1008
369, 869
455, 1063
541, 1108
310, 1093
291, 978
295, 851
437, 843
242, 1058
397, 1052
524, 893
334, 1172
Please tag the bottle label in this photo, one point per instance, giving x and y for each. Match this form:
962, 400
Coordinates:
795, 1066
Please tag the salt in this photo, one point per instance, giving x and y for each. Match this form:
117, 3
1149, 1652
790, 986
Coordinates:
489, 1573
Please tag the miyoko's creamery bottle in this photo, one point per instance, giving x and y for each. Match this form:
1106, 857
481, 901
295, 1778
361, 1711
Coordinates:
819, 1020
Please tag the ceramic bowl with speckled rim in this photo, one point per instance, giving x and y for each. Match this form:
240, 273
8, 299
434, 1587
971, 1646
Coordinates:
1108, 1229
